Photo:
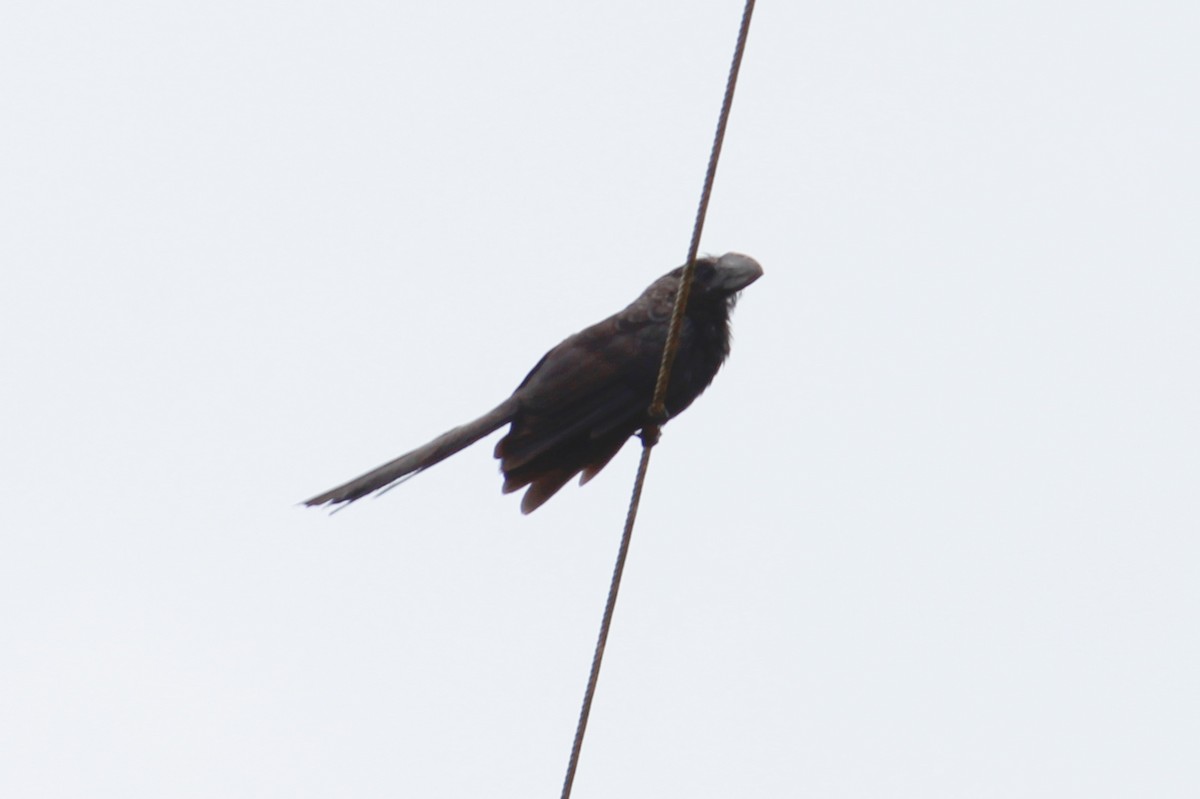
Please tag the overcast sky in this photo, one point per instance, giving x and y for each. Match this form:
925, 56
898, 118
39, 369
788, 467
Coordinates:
933, 531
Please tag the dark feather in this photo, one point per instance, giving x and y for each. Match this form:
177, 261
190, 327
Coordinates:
584, 399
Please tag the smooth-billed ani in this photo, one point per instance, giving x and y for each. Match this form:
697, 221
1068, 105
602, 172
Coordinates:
588, 395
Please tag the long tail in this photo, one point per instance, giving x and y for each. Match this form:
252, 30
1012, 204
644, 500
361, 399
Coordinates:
420, 458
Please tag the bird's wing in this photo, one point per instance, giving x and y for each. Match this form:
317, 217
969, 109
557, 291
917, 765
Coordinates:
588, 394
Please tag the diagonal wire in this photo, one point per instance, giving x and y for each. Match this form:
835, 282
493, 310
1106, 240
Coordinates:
650, 433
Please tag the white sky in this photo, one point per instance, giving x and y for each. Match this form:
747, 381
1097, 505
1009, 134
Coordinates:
932, 532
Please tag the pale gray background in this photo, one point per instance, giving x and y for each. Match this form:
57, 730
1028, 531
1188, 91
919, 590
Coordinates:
932, 533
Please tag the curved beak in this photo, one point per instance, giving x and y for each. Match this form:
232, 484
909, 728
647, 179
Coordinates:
736, 271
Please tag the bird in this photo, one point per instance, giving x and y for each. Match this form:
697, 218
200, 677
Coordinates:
590, 394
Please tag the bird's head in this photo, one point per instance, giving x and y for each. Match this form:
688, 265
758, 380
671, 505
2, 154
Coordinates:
720, 279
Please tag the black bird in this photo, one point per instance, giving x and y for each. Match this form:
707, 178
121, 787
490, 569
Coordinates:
587, 396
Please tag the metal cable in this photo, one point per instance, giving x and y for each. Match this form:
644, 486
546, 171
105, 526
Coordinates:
650, 433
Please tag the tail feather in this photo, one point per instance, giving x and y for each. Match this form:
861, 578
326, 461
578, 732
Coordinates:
420, 458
